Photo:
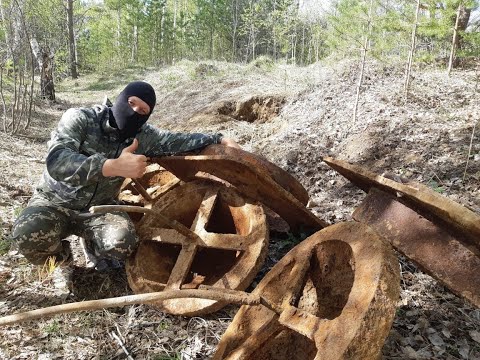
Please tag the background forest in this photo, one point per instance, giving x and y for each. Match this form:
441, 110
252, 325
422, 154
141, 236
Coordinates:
53, 39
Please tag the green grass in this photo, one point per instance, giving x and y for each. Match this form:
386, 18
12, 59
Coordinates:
52, 328
163, 326
17, 210
167, 357
292, 239
436, 186
5, 242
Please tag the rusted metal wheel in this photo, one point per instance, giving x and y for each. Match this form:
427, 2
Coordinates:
226, 249
331, 297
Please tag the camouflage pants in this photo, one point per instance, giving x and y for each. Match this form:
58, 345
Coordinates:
39, 231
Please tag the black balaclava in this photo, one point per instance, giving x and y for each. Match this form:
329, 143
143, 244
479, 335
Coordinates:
124, 117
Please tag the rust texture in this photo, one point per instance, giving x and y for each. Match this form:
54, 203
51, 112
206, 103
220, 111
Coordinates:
331, 297
156, 182
283, 178
249, 179
442, 211
437, 252
224, 247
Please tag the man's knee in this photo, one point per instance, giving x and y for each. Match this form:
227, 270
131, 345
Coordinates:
37, 233
119, 243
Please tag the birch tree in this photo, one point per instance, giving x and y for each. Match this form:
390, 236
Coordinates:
365, 48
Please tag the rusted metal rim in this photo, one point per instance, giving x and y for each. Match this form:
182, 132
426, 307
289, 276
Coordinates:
437, 208
283, 178
336, 294
226, 250
250, 180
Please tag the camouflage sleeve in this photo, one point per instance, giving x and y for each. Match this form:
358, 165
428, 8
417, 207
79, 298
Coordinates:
64, 160
154, 142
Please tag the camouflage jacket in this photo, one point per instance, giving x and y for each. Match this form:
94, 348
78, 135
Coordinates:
81, 144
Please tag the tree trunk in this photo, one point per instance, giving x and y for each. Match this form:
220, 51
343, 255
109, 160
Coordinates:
47, 87
4, 104
6, 31
455, 40
234, 29
162, 30
135, 43
71, 40
174, 42
412, 49
46, 77
119, 26
364, 56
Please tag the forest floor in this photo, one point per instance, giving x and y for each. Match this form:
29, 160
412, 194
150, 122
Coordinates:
296, 115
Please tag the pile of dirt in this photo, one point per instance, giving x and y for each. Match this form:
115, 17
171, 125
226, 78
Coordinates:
292, 116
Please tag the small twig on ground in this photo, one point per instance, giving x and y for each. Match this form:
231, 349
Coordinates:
122, 345
438, 178
469, 152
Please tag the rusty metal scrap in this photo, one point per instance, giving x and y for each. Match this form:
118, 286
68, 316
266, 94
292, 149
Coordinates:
222, 243
283, 178
437, 252
442, 211
249, 179
149, 188
333, 297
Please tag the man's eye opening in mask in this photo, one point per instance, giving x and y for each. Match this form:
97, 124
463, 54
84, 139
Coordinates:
138, 105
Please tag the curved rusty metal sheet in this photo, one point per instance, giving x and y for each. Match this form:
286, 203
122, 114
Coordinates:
283, 178
226, 249
442, 211
249, 179
438, 253
331, 297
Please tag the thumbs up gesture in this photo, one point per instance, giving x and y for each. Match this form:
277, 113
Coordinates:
128, 164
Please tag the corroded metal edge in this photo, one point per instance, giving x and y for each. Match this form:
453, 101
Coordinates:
283, 178
435, 251
251, 180
449, 214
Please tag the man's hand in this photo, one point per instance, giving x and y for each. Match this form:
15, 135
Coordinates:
229, 142
127, 165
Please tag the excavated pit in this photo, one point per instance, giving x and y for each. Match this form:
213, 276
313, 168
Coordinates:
258, 109
232, 247
333, 297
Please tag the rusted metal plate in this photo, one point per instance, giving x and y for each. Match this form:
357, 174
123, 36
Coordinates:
250, 180
442, 211
438, 253
283, 178
227, 250
331, 297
